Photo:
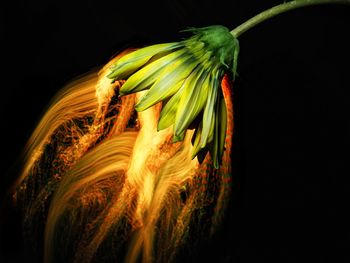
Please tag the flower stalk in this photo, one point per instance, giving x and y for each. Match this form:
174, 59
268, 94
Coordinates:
279, 9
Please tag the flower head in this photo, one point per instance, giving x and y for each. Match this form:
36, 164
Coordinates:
186, 76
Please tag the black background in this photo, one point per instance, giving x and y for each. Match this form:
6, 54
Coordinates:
291, 187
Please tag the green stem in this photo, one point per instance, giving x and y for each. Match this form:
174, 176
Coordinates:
279, 9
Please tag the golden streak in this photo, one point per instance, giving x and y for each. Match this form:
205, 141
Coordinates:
104, 179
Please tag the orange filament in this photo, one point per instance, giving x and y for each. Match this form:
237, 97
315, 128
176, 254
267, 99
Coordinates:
104, 179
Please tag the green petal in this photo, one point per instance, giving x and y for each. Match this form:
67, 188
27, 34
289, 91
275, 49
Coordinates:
149, 100
168, 83
146, 76
209, 110
179, 137
196, 143
218, 144
131, 62
216, 139
193, 99
168, 113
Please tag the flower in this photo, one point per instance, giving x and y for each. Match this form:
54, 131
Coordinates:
186, 76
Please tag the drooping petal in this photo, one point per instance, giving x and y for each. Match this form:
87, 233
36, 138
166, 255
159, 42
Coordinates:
168, 113
168, 83
218, 143
149, 100
197, 140
193, 99
209, 110
131, 62
146, 76
216, 139
179, 137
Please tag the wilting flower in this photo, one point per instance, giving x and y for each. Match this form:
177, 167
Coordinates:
186, 76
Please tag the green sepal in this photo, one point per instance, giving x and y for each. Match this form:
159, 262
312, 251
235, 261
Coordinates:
218, 40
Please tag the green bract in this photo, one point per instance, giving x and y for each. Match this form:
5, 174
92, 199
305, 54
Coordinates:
186, 76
